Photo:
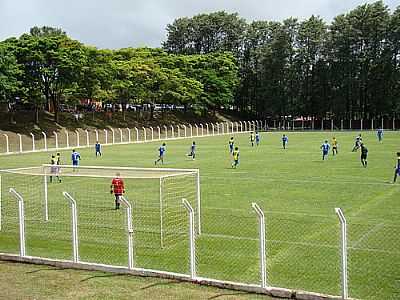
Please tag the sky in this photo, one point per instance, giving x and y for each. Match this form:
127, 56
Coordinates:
130, 23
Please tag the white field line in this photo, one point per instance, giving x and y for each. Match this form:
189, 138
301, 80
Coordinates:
368, 233
266, 178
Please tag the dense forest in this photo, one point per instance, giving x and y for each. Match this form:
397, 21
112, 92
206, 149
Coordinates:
349, 68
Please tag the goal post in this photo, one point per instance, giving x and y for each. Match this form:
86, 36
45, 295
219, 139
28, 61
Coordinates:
155, 193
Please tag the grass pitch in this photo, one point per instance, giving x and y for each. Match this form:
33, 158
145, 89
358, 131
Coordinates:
296, 189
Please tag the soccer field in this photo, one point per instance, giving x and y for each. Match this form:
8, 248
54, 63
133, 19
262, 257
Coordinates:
296, 189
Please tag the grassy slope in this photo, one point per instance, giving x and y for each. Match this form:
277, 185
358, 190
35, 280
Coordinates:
287, 184
20, 281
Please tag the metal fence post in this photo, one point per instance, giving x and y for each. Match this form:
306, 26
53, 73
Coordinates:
184, 129
121, 136
172, 131
112, 135
67, 138
191, 130
202, 129
263, 257
152, 133
166, 132
207, 132
129, 230
137, 134
129, 135
56, 137
343, 244
87, 138
97, 135
212, 128
77, 138
159, 132
7, 143
45, 140
178, 130
144, 134
74, 224
197, 129
20, 142
106, 136
33, 141
192, 237
21, 218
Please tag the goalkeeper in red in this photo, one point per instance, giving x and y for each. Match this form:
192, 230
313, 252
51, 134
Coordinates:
118, 188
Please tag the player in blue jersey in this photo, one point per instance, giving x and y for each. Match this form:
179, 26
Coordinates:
161, 153
325, 149
97, 148
231, 144
75, 157
285, 140
193, 150
397, 168
257, 138
379, 134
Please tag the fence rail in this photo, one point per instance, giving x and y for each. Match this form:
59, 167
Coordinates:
250, 250
11, 143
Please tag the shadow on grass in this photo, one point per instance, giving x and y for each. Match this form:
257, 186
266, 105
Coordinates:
48, 269
160, 284
104, 276
229, 294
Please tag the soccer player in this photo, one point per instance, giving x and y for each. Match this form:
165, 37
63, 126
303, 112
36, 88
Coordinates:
325, 149
118, 188
235, 155
334, 146
252, 138
357, 143
54, 169
231, 144
76, 157
285, 140
193, 150
58, 157
397, 168
97, 147
257, 138
379, 134
161, 154
364, 154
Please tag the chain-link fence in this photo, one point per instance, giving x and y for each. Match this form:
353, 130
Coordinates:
11, 142
354, 257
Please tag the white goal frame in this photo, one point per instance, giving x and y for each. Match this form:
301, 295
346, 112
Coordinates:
154, 173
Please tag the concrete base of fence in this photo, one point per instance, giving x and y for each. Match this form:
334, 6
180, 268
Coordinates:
270, 291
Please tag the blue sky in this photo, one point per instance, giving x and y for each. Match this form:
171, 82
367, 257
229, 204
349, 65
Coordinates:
124, 23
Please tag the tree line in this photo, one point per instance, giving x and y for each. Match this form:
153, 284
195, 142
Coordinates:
349, 68
46, 69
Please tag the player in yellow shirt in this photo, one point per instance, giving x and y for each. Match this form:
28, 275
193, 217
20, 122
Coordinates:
334, 146
252, 138
235, 155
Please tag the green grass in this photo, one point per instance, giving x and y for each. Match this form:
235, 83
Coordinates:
22, 281
295, 188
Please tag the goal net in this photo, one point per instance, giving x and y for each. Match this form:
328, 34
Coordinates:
158, 216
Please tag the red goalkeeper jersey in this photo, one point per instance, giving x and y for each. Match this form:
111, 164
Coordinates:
118, 186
